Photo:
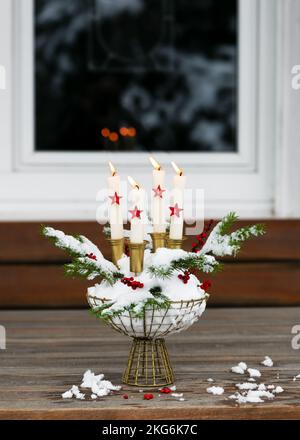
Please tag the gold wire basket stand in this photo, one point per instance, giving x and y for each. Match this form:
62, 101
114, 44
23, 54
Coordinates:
149, 363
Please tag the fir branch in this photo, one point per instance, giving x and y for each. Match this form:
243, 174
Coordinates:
86, 268
106, 312
243, 234
204, 263
73, 246
227, 222
88, 261
221, 244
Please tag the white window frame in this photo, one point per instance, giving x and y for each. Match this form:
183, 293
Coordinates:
37, 185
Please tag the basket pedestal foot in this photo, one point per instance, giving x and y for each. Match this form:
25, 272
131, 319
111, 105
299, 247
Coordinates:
148, 364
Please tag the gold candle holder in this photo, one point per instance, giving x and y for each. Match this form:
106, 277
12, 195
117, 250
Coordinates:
158, 240
117, 249
175, 243
137, 257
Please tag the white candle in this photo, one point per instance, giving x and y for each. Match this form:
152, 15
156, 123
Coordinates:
176, 208
136, 211
115, 209
158, 197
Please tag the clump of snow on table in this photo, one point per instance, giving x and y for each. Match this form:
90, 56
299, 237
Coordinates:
216, 391
253, 372
252, 396
267, 362
240, 368
96, 383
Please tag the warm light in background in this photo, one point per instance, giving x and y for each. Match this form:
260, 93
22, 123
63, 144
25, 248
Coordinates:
131, 132
105, 132
155, 164
113, 137
177, 169
123, 131
133, 183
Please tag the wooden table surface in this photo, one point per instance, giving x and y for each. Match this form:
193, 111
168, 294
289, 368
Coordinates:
48, 351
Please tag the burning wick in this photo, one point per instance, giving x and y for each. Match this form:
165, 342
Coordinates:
155, 164
112, 169
133, 183
177, 169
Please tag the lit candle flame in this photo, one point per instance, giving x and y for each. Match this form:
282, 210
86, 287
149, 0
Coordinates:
155, 164
177, 169
133, 183
112, 169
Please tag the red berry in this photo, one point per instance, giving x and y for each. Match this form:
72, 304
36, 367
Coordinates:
205, 285
148, 396
165, 390
125, 396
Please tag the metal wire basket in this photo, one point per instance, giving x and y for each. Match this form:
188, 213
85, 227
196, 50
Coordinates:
149, 364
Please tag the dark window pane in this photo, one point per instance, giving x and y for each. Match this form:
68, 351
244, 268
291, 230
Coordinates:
136, 75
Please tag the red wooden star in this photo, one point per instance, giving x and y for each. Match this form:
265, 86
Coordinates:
115, 199
135, 213
158, 192
175, 210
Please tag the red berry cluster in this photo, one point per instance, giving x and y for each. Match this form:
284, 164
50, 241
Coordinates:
185, 277
205, 285
132, 283
91, 256
196, 247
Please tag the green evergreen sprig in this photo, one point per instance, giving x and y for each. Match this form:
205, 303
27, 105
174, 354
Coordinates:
106, 313
227, 223
87, 260
203, 263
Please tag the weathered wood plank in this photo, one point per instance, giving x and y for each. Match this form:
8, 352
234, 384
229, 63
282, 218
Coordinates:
239, 284
47, 352
22, 241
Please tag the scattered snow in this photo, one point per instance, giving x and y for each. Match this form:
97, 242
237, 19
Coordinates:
246, 386
267, 362
177, 394
243, 365
240, 368
278, 390
96, 383
237, 369
67, 395
210, 379
217, 391
253, 372
252, 396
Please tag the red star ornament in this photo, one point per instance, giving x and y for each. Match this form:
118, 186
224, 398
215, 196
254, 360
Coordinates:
175, 210
158, 192
135, 213
115, 199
